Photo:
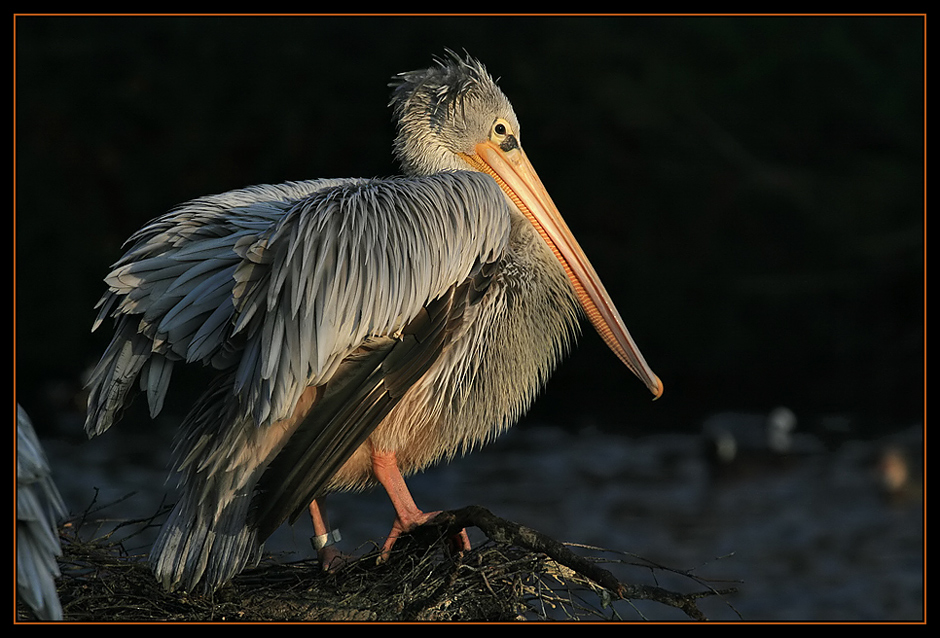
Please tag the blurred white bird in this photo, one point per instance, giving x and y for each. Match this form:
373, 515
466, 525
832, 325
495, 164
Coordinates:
39, 508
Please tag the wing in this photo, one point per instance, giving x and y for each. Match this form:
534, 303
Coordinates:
170, 283
280, 283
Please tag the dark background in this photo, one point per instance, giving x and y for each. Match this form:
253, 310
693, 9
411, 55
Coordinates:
751, 190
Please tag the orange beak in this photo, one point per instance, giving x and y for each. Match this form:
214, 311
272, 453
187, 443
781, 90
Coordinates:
515, 175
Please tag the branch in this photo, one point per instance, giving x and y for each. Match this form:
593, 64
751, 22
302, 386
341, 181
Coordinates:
507, 532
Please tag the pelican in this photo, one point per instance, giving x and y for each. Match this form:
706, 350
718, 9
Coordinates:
360, 330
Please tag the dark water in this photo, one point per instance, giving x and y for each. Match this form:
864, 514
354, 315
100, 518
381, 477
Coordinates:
810, 535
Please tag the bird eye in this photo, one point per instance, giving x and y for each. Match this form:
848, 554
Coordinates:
503, 135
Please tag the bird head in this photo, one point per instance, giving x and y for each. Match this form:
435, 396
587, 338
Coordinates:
444, 111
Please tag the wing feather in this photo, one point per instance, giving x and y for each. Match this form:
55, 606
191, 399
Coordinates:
281, 283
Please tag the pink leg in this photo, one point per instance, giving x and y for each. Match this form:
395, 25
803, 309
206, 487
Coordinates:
408, 516
331, 558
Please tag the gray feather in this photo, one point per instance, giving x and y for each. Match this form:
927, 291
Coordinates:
39, 509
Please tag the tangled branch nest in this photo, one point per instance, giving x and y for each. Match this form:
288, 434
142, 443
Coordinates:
518, 574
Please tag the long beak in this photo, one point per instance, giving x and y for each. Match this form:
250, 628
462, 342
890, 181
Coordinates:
512, 170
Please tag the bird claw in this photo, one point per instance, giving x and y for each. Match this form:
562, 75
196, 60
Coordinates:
332, 560
458, 543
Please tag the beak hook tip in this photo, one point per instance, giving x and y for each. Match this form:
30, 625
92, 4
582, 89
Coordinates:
658, 392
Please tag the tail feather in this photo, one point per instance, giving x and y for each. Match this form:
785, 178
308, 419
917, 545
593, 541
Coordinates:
197, 550
208, 538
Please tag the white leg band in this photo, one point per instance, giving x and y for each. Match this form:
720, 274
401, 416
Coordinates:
325, 540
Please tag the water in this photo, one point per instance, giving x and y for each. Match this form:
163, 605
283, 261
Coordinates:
811, 535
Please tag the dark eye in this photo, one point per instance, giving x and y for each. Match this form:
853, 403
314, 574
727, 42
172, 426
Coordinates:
500, 129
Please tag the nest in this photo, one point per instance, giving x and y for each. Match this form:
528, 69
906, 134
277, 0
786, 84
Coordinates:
518, 574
